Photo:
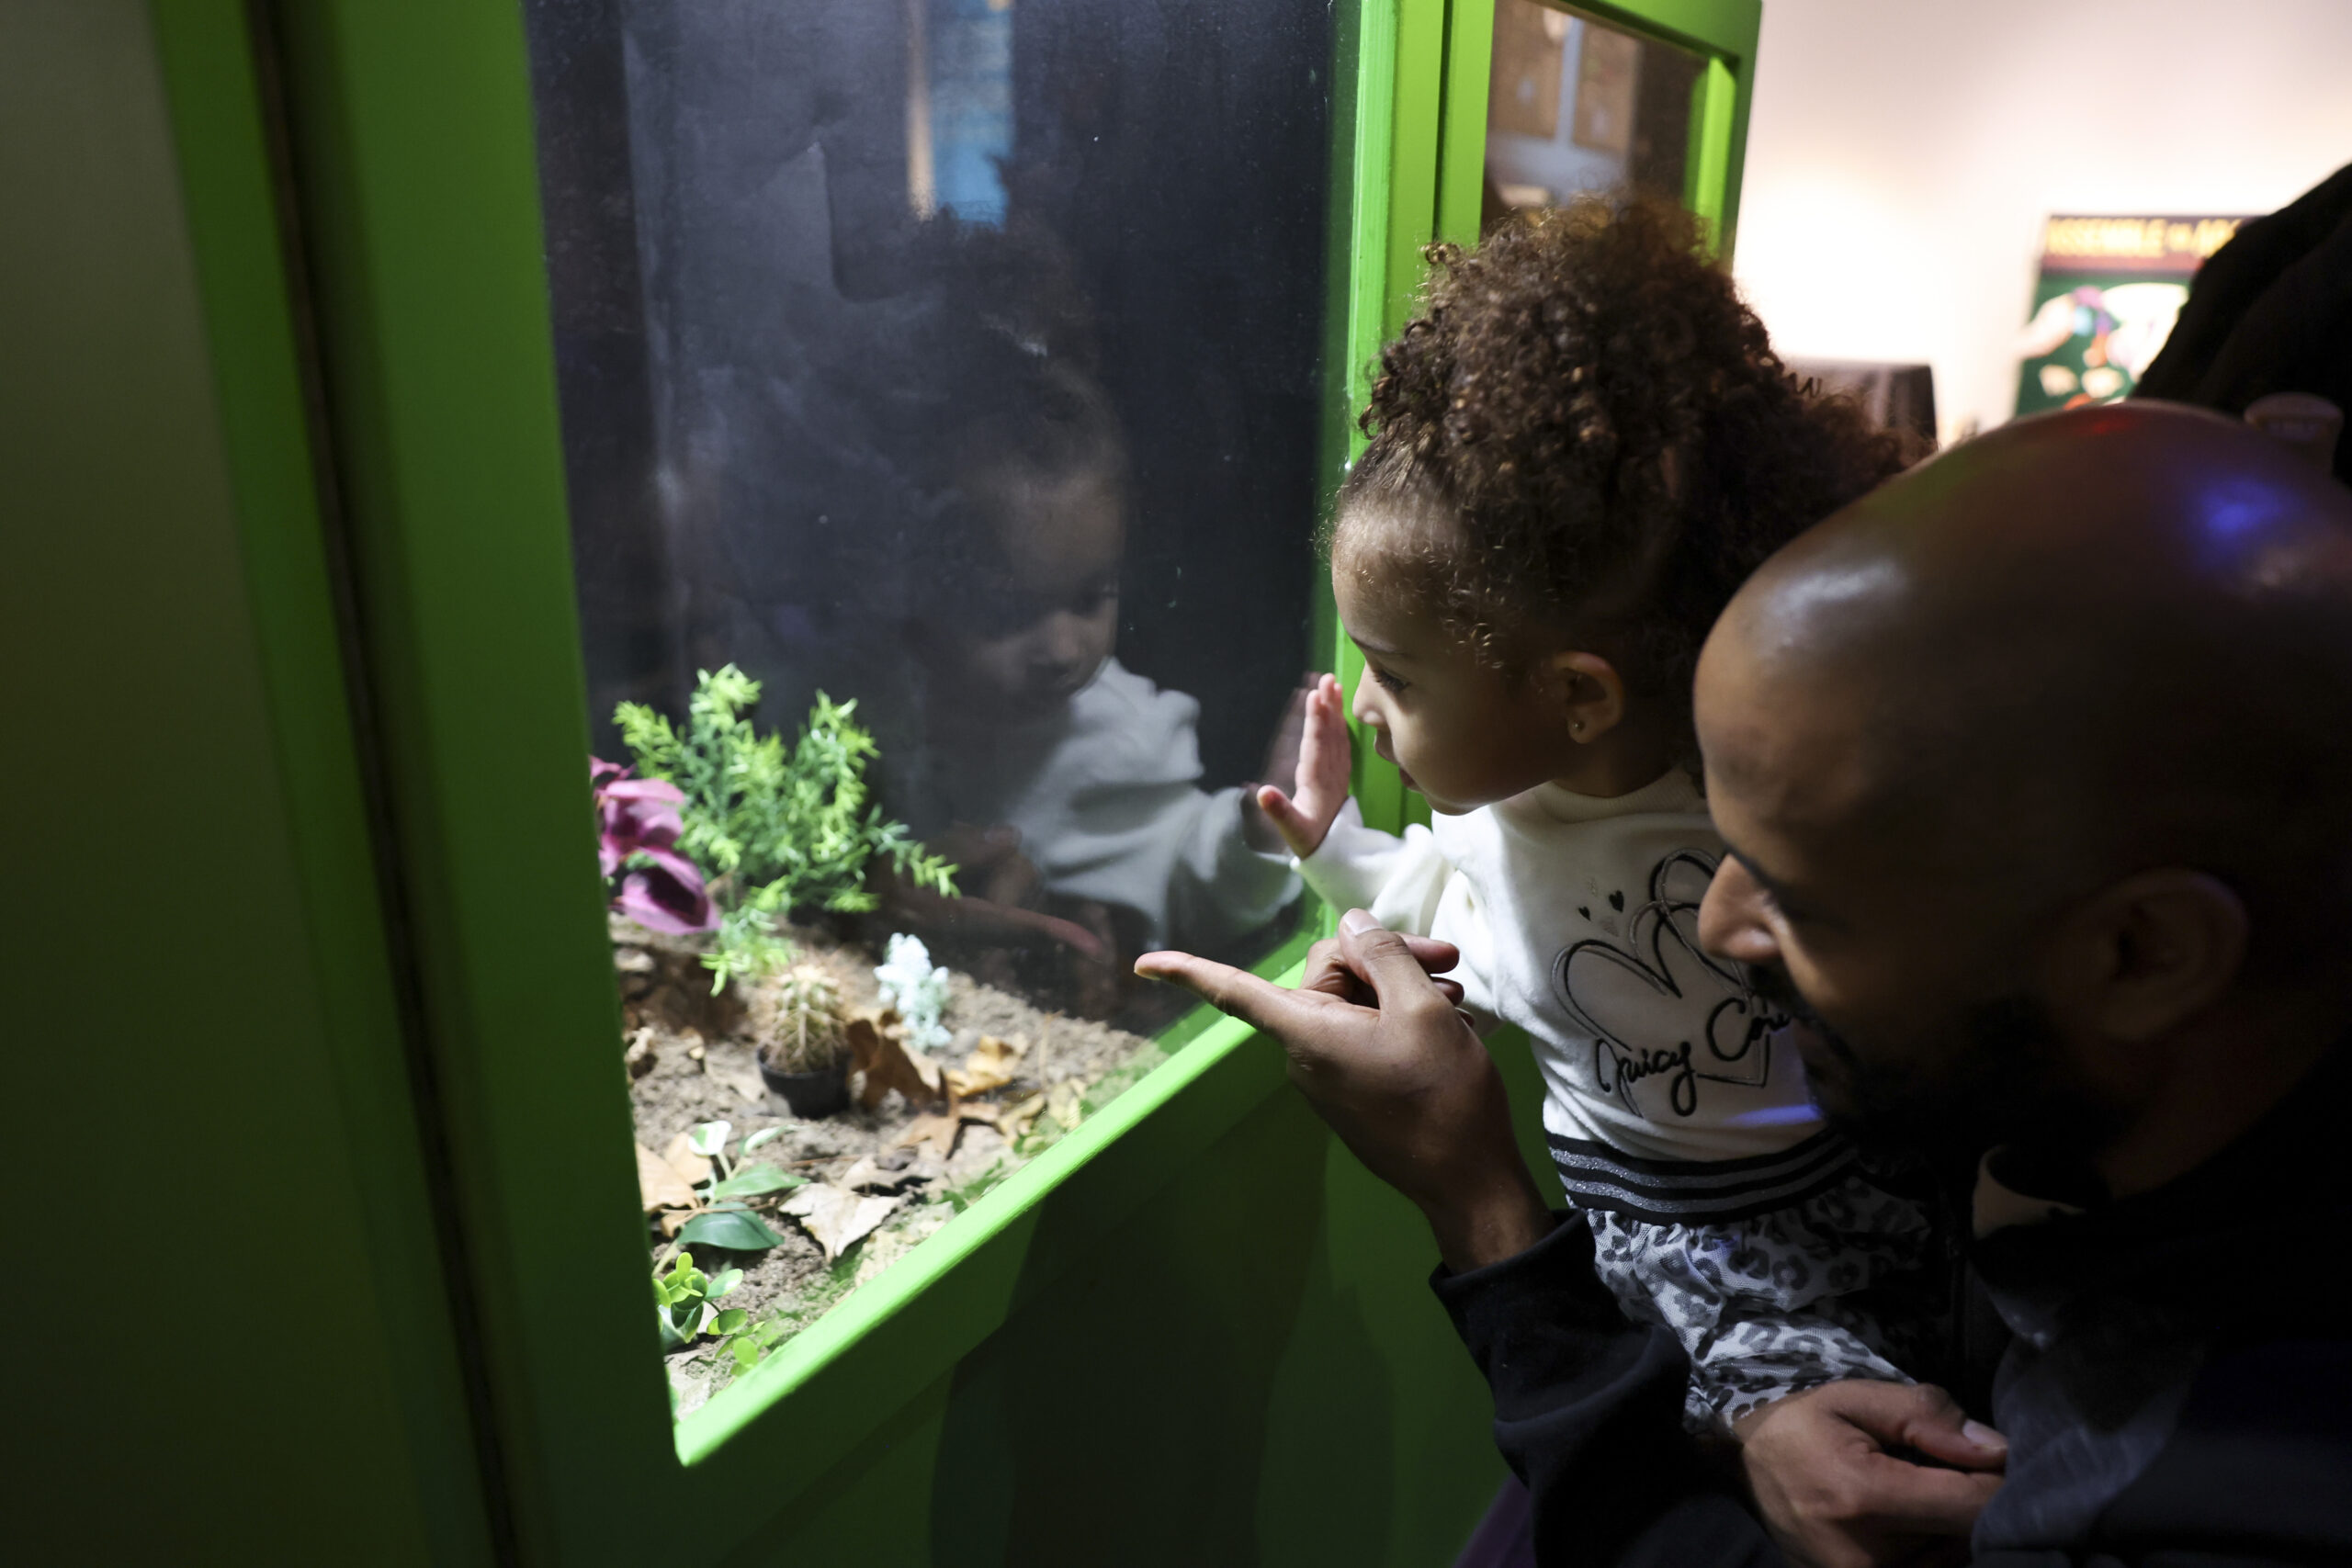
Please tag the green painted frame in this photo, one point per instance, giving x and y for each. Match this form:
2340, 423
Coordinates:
413, 170
425, 659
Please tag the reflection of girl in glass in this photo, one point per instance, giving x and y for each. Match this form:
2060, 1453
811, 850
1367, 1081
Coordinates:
1064, 785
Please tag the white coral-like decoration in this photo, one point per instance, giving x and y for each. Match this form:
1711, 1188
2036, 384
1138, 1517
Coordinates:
916, 988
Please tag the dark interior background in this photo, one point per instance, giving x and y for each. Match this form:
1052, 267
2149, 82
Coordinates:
738, 330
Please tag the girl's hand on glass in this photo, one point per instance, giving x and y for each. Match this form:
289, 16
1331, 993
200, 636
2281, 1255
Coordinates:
1302, 818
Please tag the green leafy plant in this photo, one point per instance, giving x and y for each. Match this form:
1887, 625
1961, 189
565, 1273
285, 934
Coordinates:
727, 1220
719, 1216
684, 1298
747, 946
780, 829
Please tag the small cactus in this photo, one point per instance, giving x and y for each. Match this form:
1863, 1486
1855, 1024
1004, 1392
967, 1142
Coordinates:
806, 1035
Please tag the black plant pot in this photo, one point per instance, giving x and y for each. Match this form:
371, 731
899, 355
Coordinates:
811, 1095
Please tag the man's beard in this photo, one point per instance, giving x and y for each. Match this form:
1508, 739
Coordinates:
2004, 1081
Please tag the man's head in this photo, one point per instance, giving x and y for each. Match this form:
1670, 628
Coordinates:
2036, 768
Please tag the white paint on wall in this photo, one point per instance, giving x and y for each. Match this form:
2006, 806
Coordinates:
1903, 154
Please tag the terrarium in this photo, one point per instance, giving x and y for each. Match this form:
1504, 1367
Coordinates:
947, 419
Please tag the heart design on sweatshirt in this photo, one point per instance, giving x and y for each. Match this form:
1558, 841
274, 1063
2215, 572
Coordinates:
1661, 1011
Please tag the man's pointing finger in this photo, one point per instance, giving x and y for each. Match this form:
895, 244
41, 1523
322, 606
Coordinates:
1245, 996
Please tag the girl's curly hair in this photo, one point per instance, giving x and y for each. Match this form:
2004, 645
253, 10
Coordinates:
1597, 431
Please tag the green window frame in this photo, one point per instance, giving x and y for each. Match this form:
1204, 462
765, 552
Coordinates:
362, 194
1419, 152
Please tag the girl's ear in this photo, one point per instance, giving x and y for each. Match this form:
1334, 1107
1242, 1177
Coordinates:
1589, 694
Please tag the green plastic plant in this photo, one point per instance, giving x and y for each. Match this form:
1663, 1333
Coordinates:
683, 1299
721, 1217
747, 946
782, 828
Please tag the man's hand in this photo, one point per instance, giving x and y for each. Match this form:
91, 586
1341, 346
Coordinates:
1833, 1494
1303, 815
1379, 1051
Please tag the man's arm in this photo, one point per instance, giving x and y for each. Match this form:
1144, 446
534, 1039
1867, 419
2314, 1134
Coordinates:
2255, 1473
1588, 1412
1587, 1406
1379, 1050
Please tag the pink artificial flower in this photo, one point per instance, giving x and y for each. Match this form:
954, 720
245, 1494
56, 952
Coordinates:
639, 818
632, 814
667, 895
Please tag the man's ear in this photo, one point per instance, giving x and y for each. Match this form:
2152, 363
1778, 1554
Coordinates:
1589, 691
2141, 955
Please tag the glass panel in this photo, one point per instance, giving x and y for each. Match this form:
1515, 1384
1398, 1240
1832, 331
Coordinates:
1576, 105
957, 359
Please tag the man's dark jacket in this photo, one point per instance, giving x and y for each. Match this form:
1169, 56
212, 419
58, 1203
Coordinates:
2175, 1378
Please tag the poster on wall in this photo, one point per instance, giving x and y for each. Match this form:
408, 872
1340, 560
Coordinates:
2109, 293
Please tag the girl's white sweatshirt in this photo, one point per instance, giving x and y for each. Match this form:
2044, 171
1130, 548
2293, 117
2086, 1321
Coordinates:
1578, 921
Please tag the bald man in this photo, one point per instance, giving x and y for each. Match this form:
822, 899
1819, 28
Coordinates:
2035, 772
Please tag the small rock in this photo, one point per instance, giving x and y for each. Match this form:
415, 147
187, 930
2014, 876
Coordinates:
640, 1056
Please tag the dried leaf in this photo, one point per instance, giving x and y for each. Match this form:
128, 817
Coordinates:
938, 1130
659, 1183
988, 1067
870, 1175
877, 1053
1065, 1102
975, 1111
1013, 1120
836, 1219
694, 1170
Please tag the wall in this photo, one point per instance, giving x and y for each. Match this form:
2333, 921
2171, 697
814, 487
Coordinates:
1903, 155
234, 1343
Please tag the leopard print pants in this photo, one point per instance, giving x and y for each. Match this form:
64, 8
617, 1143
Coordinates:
1835, 1286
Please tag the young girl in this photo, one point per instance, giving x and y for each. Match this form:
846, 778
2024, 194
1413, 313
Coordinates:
1578, 452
